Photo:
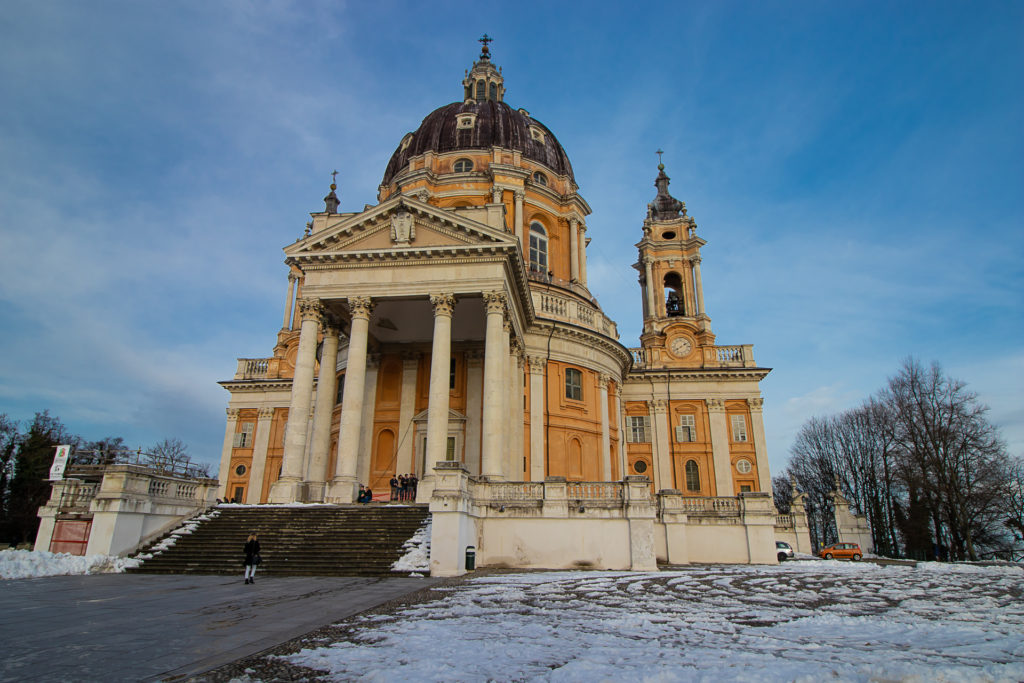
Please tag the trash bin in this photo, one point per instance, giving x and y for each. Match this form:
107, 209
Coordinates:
470, 558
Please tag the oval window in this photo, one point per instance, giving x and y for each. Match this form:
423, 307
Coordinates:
668, 235
240, 470
639, 467
743, 466
463, 166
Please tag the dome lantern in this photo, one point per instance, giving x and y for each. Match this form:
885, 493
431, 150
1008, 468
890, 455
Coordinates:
484, 81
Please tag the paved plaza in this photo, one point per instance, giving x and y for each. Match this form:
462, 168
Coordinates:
136, 627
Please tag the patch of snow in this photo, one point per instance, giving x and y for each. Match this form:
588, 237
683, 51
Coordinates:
417, 552
23, 564
799, 621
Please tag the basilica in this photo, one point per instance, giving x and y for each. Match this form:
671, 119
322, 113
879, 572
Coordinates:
448, 331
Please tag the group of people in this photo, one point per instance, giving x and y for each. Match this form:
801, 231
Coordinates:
403, 487
365, 495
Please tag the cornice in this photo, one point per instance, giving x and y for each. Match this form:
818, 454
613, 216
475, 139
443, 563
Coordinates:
248, 386
717, 374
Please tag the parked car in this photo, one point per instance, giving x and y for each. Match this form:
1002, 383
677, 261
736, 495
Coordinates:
784, 550
841, 551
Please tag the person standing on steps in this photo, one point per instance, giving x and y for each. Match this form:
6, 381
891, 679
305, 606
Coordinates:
252, 557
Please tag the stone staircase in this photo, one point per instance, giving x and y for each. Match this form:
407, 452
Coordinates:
322, 540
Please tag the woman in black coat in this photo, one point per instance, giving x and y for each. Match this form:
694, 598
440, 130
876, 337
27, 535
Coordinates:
252, 557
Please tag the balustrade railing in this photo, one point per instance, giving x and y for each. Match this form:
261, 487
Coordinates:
714, 506
784, 521
588, 490
550, 304
714, 356
510, 491
252, 368
77, 496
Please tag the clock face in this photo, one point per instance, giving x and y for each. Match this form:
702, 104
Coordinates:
681, 346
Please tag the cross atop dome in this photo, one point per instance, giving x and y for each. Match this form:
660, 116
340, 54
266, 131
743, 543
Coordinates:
484, 81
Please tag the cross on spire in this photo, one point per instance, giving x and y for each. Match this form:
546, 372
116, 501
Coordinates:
661, 166
485, 53
334, 177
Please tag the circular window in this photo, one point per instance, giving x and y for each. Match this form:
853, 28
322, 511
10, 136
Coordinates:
240, 470
668, 235
540, 178
463, 166
743, 466
639, 467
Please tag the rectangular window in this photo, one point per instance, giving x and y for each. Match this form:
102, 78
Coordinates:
744, 488
341, 389
449, 453
573, 384
243, 439
687, 429
451, 374
639, 428
739, 428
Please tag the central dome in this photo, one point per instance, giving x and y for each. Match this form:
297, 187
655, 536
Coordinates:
495, 124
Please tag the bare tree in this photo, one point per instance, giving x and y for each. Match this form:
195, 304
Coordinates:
169, 454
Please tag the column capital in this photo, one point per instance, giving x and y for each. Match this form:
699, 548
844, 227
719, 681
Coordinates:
360, 306
265, 413
496, 193
331, 326
715, 405
647, 260
537, 364
520, 195
443, 303
494, 302
603, 379
658, 405
291, 277
695, 261
583, 228
574, 222
232, 413
756, 404
310, 308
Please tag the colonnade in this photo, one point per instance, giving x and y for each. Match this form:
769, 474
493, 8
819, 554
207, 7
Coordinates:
304, 475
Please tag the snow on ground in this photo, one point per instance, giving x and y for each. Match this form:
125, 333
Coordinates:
417, 552
800, 621
22, 564
185, 529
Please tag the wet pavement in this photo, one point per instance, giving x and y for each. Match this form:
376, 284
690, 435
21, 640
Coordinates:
139, 627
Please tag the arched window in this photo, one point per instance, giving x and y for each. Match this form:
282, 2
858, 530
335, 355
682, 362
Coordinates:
494, 92
573, 384
540, 178
481, 90
463, 166
674, 303
538, 249
692, 476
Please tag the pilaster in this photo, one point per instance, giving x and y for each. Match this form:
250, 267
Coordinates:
720, 447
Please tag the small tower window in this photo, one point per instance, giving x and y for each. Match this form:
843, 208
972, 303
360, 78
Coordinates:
463, 166
537, 134
466, 121
674, 304
573, 384
405, 141
540, 178
481, 90
494, 91
538, 249
692, 476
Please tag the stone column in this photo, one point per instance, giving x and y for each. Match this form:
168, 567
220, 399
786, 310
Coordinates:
492, 446
663, 477
439, 397
764, 480
651, 311
343, 486
225, 451
323, 412
496, 195
406, 411
516, 416
537, 454
622, 431
254, 493
574, 249
689, 294
606, 437
520, 224
288, 489
288, 303
583, 255
474, 406
697, 284
365, 451
720, 447
298, 295
506, 398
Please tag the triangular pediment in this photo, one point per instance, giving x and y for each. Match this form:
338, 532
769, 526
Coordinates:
402, 227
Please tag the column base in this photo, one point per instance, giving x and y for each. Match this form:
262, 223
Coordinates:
341, 490
315, 491
290, 490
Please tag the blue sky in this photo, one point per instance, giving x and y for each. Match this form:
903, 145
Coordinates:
855, 169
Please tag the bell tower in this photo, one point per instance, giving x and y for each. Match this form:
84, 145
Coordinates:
676, 325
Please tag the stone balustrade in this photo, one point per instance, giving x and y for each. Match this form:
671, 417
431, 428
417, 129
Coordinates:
784, 521
741, 356
252, 368
551, 304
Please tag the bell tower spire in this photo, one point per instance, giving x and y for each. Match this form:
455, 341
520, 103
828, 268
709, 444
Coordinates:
484, 81
670, 278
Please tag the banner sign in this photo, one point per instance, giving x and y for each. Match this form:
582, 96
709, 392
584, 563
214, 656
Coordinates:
60, 461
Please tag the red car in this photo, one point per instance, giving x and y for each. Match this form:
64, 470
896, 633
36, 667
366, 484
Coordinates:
841, 551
